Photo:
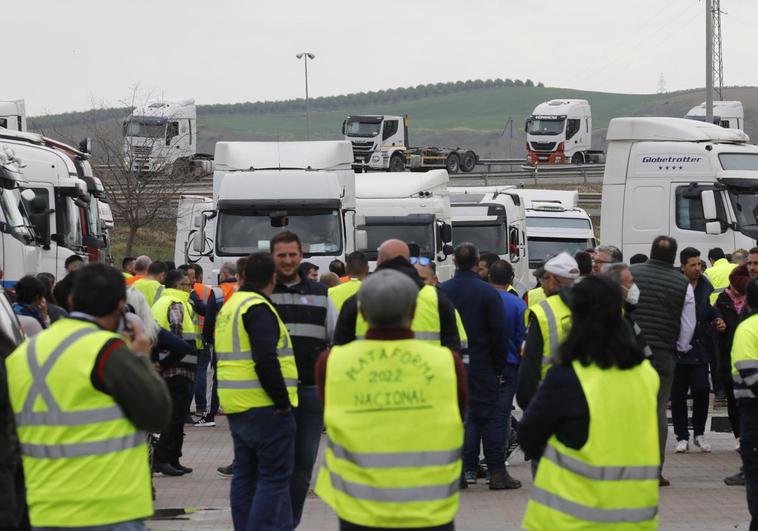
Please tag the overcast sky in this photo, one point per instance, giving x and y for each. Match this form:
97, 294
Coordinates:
64, 55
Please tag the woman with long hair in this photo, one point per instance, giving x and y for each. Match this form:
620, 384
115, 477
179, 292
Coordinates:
593, 423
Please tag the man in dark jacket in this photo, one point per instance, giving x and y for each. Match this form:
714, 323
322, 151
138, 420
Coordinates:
64, 286
395, 254
666, 315
484, 319
691, 373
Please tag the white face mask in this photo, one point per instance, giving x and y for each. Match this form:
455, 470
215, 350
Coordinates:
633, 294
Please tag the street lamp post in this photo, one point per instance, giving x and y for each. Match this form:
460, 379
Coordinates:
306, 56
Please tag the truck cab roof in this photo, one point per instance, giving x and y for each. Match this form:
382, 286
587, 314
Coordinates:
184, 108
401, 184
245, 156
671, 130
730, 109
561, 107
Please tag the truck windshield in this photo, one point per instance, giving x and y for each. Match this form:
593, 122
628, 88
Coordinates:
744, 196
366, 129
419, 234
539, 126
241, 232
488, 237
146, 129
542, 249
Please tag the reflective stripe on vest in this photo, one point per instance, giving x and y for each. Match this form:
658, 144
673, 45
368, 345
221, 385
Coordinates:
297, 299
551, 315
406, 388
250, 384
613, 477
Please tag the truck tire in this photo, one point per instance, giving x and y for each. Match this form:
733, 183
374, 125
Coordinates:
468, 161
453, 163
397, 163
577, 158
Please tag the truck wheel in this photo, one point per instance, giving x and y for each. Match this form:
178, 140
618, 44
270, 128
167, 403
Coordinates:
453, 163
397, 163
577, 158
468, 161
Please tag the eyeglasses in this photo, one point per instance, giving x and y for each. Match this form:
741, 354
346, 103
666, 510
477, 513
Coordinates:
423, 260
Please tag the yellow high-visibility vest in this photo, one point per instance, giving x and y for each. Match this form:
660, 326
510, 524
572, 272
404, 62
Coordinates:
190, 331
394, 434
85, 463
718, 275
554, 319
612, 481
238, 386
745, 355
426, 321
150, 288
340, 293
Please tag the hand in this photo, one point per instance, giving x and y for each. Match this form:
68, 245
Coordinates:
719, 324
42, 307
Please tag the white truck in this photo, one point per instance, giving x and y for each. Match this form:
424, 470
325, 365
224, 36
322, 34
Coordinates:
414, 208
380, 142
554, 224
262, 188
162, 137
694, 181
13, 115
559, 132
728, 114
494, 219
59, 197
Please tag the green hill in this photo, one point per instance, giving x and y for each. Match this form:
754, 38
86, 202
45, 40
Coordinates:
474, 116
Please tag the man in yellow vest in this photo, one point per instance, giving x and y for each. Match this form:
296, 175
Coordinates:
174, 313
718, 273
392, 408
141, 264
151, 286
257, 387
434, 320
83, 395
548, 323
357, 270
536, 295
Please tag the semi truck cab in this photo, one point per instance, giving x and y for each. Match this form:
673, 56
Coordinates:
727, 114
558, 132
13, 115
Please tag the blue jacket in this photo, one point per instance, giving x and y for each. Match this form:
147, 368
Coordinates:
515, 308
485, 321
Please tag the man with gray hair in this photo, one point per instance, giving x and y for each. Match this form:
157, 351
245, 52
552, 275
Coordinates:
604, 256
621, 275
411, 395
141, 265
227, 279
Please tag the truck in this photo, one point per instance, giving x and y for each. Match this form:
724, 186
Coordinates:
162, 137
414, 208
13, 115
560, 132
728, 114
262, 188
493, 219
55, 207
694, 181
380, 142
555, 224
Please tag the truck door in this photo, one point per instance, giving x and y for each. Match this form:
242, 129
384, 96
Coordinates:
644, 215
687, 220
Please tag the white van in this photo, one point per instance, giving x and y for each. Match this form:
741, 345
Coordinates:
694, 181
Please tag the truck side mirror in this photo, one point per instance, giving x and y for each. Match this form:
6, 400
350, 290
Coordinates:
344, 125
526, 125
197, 221
361, 240
198, 240
713, 227
708, 197
446, 233
448, 249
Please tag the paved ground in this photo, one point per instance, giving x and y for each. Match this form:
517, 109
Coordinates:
696, 500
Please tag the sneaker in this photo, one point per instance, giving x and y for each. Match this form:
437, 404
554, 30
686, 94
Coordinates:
735, 480
504, 481
701, 443
205, 422
470, 476
682, 447
166, 469
184, 469
225, 471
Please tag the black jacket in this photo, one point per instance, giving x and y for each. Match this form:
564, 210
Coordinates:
703, 341
344, 331
732, 318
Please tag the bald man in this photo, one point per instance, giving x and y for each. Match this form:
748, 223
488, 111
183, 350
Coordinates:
435, 314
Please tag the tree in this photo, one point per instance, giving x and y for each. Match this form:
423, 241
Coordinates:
529, 83
540, 85
518, 83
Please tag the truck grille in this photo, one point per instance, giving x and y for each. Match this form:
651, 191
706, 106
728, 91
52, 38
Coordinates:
543, 146
362, 151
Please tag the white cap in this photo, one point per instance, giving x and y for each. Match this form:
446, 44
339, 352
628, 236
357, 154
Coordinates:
562, 265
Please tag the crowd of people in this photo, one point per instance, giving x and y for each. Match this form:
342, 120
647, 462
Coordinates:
412, 380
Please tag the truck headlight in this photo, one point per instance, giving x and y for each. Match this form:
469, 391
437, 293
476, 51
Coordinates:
375, 158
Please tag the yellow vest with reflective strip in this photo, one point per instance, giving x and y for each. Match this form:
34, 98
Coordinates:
339, 294
612, 481
535, 296
554, 319
745, 357
394, 434
426, 320
85, 464
151, 289
190, 333
718, 275
238, 386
